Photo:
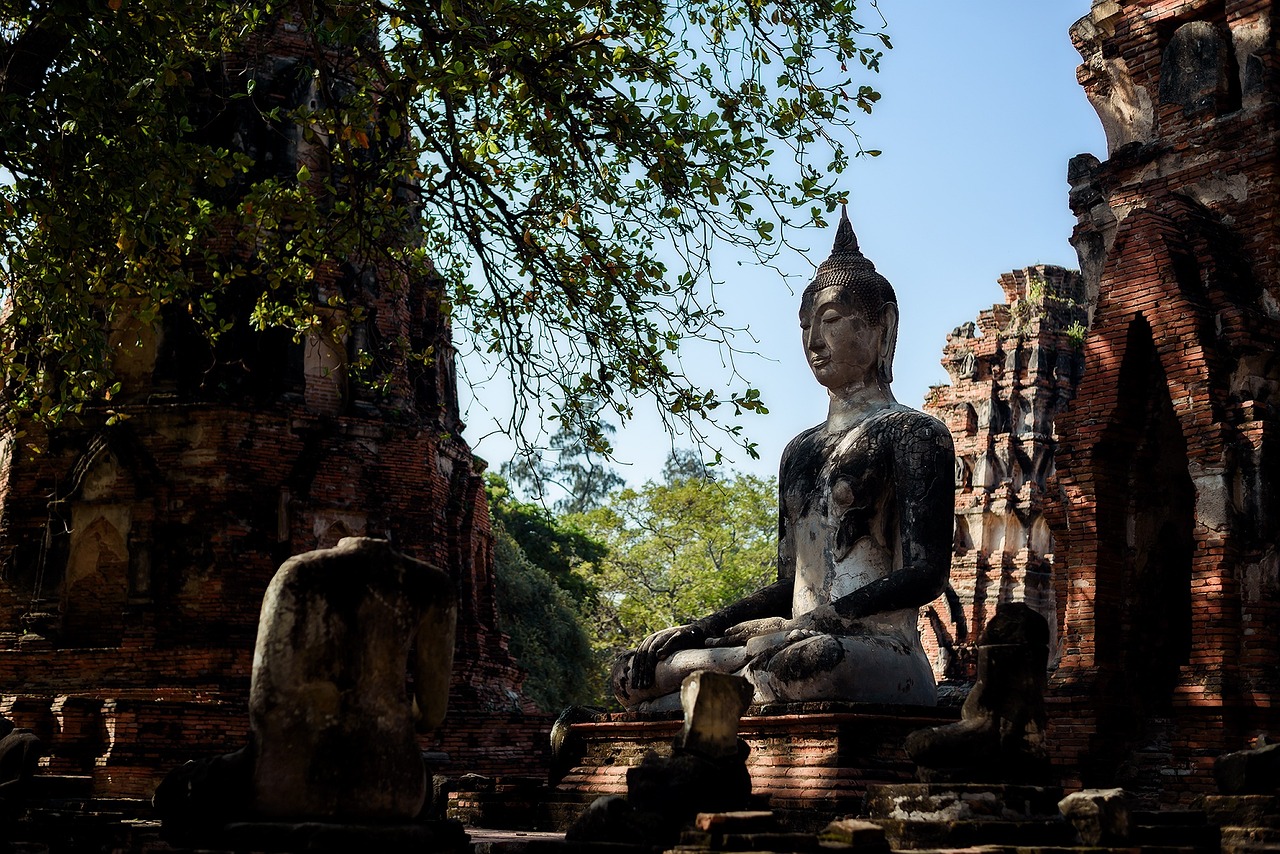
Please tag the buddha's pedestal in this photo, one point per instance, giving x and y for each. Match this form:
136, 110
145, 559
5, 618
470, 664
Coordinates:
809, 762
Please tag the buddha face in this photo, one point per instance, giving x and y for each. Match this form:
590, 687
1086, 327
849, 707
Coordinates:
844, 348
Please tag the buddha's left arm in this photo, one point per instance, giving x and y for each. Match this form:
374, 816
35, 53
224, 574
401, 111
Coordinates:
924, 484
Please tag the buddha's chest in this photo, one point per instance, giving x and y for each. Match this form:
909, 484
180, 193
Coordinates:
838, 512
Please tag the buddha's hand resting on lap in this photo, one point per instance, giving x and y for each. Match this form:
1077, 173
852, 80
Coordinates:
821, 620
741, 633
660, 645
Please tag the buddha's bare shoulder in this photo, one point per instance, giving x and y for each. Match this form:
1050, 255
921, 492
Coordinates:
806, 442
899, 422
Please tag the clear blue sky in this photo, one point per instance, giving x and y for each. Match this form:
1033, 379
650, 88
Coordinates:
980, 114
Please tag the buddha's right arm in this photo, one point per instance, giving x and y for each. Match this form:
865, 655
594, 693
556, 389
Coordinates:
771, 601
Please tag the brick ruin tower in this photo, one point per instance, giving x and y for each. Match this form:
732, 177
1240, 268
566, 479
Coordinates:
134, 555
1169, 459
1011, 373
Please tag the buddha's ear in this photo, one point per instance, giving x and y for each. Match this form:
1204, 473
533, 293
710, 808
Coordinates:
888, 340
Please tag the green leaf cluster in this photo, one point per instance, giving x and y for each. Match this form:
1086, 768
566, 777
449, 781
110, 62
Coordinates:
552, 542
548, 636
677, 551
562, 169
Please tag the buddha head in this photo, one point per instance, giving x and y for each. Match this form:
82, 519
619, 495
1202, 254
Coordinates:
849, 317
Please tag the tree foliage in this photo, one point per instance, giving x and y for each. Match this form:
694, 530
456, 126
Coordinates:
562, 166
578, 469
552, 543
679, 550
548, 637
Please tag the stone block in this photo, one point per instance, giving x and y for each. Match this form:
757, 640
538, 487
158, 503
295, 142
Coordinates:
854, 833
1100, 816
1249, 772
713, 703
1241, 810
740, 821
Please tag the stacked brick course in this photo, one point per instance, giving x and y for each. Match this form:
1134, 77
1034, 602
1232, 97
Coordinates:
1011, 373
134, 553
1168, 457
803, 756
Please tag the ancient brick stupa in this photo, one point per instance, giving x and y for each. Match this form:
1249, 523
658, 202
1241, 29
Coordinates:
1168, 457
135, 554
1011, 373
1153, 549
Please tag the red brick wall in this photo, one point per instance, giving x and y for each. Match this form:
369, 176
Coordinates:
1171, 648
1011, 373
495, 744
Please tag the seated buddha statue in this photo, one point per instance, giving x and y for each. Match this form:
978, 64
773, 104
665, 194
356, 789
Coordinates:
864, 530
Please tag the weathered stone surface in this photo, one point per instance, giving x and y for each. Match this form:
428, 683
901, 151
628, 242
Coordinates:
1000, 736
865, 529
713, 704
854, 833
742, 821
1249, 772
946, 802
1100, 816
1241, 810
612, 819
333, 733
1249, 840
680, 786
949, 835
207, 792
948, 815
760, 831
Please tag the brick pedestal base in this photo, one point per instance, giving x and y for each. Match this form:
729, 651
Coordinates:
814, 759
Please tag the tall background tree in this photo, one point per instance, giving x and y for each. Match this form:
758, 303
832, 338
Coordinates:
676, 551
562, 168
573, 466
576, 589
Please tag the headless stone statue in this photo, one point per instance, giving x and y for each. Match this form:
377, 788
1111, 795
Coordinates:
865, 529
1000, 735
332, 727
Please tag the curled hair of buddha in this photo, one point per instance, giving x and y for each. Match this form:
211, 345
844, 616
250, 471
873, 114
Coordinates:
861, 287
851, 271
